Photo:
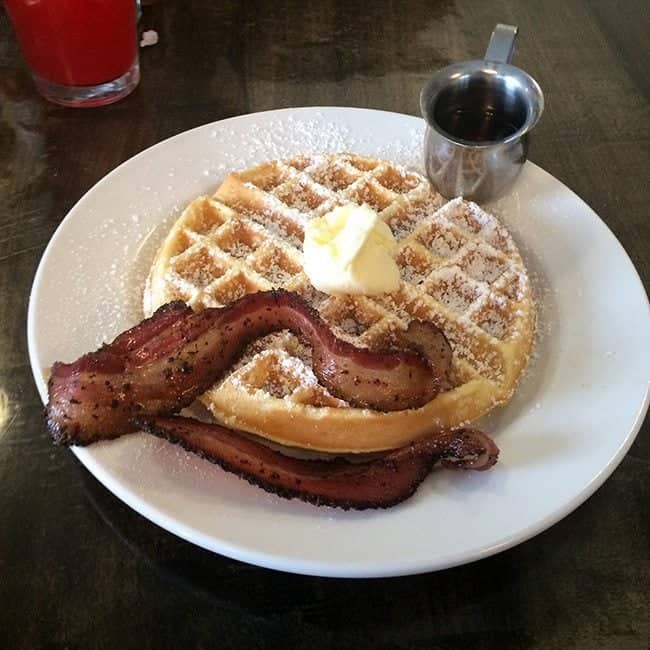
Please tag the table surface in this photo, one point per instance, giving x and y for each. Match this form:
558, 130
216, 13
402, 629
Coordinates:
78, 569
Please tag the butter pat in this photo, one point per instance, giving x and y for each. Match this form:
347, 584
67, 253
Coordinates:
350, 250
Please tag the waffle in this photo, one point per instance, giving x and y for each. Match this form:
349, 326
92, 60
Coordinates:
459, 267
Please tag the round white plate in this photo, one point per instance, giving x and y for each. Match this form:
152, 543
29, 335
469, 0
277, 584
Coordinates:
572, 420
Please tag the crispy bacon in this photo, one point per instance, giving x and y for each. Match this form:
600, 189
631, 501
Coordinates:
378, 483
164, 363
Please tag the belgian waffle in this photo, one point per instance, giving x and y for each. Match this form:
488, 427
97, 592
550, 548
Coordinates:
459, 268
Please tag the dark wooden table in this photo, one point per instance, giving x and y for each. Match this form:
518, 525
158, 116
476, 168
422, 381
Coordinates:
78, 569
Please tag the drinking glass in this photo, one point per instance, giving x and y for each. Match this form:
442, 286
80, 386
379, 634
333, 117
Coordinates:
80, 52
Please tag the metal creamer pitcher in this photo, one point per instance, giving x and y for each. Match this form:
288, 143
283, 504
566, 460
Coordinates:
479, 114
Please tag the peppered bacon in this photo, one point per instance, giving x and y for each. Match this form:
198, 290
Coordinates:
378, 483
164, 363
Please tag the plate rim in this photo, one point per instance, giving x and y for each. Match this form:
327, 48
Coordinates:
302, 566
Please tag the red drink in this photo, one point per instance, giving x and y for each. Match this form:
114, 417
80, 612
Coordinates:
83, 51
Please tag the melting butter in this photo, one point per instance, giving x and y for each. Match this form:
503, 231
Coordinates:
350, 250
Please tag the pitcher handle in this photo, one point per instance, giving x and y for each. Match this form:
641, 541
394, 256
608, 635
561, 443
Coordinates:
502, 44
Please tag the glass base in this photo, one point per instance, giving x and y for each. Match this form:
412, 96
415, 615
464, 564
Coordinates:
89, 96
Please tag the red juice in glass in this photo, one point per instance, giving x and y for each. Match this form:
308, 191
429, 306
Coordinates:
81, 52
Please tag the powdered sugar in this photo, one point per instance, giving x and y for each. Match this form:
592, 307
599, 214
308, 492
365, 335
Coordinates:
109, 246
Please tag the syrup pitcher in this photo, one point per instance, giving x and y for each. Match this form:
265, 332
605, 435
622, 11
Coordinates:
479, 115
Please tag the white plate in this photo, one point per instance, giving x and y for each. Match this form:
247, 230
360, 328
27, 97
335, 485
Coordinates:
572, 420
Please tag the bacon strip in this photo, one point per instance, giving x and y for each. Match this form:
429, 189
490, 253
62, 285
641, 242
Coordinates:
164, 363
432, 343
378, 483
